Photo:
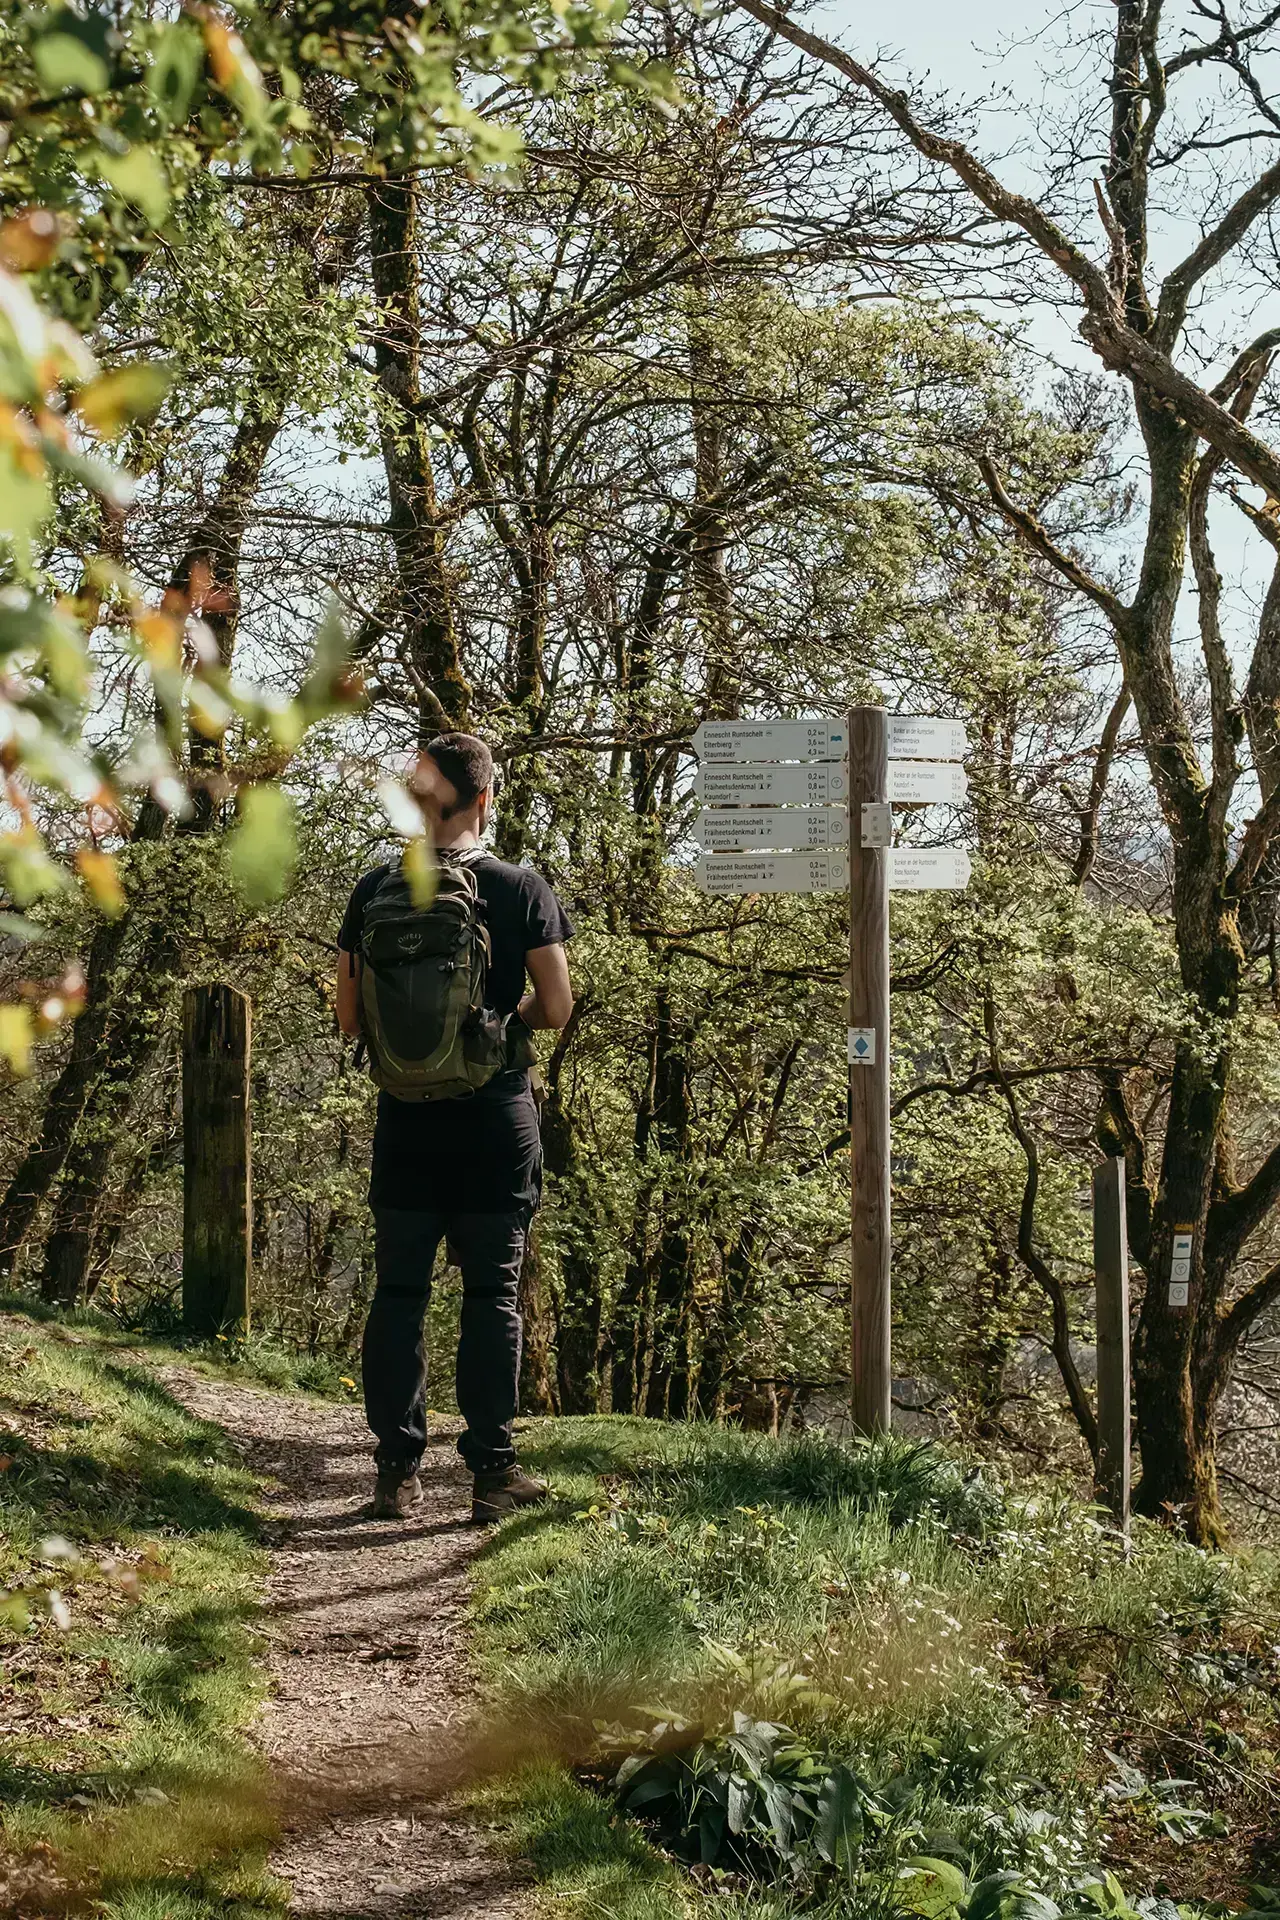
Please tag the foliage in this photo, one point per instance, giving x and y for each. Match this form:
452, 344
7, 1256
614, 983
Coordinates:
132, 1683
798, 1669
111, 121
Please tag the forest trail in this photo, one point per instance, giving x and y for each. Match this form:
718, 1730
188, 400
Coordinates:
367, 1729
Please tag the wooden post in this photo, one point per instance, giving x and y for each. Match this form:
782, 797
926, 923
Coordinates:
216, 1204
1111, 1275
870, 1358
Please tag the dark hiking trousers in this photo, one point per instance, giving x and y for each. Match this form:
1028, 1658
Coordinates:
490, 1250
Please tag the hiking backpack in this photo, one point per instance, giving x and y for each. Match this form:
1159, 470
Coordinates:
422, 987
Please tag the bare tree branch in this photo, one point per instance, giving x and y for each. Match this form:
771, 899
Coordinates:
1036, 536
1088, 850
1036, 1266
1241, 1314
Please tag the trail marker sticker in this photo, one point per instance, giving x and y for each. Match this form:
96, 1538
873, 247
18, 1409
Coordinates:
877, 823
862, 1046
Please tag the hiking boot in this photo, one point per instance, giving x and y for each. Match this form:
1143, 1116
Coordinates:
396, 1493
499, 1494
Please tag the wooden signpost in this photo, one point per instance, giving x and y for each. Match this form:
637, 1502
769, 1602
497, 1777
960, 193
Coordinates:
825, 791
870, 1362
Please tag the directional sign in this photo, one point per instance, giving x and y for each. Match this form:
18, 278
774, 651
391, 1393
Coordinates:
773, 872
772, 827
927, 870
923, 783
817, 785
746, 742
912, 737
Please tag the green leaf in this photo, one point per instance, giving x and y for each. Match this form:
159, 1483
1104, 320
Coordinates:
838, 1830
780, 1806
14, 927
138, 176
16, 1036
175, 68
931, 1888
1003, 1896
647, 1793
742, 1798
14, 1611
262, 849
420, 871
110, 402
24, 505
65, 64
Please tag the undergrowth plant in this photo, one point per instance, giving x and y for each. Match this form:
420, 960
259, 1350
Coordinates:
128, 1656
869, 1680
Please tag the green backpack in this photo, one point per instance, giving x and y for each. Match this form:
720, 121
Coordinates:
422, 988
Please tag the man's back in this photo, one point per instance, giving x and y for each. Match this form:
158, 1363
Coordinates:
480, 1152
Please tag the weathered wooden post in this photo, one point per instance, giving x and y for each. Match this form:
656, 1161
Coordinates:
1111, 1278
216, 1193
870, 1358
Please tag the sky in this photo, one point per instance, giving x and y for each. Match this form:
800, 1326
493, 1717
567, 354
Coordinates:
979, 50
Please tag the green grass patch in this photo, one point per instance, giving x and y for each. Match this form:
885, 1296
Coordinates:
988, 1681
128, 1653
255, 1360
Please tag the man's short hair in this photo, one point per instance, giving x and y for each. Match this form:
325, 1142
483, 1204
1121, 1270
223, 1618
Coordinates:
466, 764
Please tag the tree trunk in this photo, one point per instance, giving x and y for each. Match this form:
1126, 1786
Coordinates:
537, 1391
44, 1161
579, 1320
216, 1211
130, 1041
669, 1376
419, 528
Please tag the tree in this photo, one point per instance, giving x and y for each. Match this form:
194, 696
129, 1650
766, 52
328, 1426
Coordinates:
1196, 438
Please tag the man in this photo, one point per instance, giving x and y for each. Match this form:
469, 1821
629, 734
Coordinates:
468, 1170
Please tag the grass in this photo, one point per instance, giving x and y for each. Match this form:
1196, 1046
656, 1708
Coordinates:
1008, 1688
1012, 1687
128, 1656
256, 1360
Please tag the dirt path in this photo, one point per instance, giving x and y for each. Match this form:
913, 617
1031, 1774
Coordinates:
367, 1726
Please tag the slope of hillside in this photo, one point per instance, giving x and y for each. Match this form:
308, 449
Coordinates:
868, 1683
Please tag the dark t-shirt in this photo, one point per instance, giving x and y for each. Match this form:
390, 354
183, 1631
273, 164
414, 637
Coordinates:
479, 1154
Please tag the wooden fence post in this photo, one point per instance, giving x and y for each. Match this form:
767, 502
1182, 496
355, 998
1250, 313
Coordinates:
216, 1192
1111, 1275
